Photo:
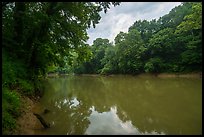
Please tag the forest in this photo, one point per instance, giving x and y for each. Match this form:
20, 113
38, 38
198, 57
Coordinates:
39, 38
170, 44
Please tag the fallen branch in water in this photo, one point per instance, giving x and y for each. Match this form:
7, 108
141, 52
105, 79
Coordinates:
42, 121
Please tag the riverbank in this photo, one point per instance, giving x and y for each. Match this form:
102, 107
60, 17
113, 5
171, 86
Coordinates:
160, 75
174, 75
27, 123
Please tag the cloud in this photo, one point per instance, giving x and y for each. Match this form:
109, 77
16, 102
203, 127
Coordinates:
121, 17
109, 123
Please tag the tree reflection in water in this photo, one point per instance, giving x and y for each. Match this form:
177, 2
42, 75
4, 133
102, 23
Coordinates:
122, 105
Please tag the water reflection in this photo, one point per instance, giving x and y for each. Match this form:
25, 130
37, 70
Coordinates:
74, 103
71, 103
109, 123
122, 105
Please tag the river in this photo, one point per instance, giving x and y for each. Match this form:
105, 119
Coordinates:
122, 104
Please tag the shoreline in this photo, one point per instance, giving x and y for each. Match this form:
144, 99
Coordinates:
184, 75
27, 123
159, 75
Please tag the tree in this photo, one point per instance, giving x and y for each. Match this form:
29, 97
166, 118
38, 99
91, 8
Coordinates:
154, 65
110, 61
191, 27
95, 63
175, 16
146, 28
129, 51
192, 21
170, 44
37, 35
48, 31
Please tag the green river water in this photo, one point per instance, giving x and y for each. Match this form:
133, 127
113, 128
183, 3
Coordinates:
122, 105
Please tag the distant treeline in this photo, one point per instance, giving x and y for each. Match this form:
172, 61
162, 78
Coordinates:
173, 43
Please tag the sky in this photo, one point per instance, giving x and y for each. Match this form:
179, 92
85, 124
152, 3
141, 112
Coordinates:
121, 17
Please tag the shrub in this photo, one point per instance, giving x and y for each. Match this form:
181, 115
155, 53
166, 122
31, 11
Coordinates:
10, 110
11, 102
26, 87
8, 123
154, 65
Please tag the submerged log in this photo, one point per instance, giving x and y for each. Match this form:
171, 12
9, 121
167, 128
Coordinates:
46, 111
42, 121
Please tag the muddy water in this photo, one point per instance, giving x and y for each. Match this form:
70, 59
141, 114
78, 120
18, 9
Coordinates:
122, 105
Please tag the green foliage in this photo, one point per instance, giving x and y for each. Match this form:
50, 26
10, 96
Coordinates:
10, 110
12, 101
12, 69
175, 16
192, 20
26, 87
130, 51
173, 43
8, 75
37, 35
164, 44
44, 37
80, 69
14, 75
110, 61
94, 64
146, 29
8, 123
154, 65
52, 69
191, 27
84, 53
45, 33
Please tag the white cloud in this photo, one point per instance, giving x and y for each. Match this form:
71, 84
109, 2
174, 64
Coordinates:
121, 17
108, 123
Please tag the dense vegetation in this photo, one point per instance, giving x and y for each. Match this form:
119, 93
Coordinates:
173, 43
40, 38
37, 37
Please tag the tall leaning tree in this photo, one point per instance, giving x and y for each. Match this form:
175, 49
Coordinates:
43, 33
